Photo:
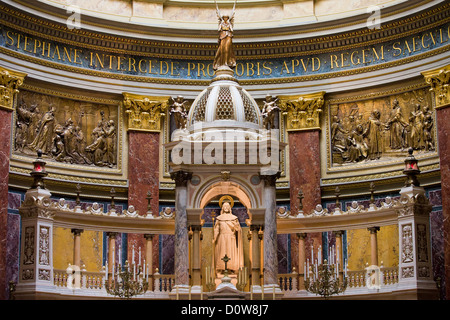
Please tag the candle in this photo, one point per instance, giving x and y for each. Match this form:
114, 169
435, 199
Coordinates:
144, 268
132, 259
320, 254
120, 255
139, 255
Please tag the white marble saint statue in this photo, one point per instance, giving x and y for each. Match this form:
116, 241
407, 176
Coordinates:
228, 240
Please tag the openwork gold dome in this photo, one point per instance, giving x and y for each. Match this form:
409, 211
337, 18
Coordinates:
224, 103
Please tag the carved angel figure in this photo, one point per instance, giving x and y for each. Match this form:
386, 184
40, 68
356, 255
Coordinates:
225, 54
269, 111
177, 108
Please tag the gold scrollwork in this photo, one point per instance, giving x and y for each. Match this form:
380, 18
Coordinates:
144, 112
302, 112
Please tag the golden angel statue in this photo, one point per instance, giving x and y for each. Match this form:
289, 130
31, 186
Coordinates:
225, 54
228, 240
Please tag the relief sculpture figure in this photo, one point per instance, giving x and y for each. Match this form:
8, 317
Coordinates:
228, 240
225, 53
269, 112
428, 126
416, 121
44, 136
373, 134
398, 127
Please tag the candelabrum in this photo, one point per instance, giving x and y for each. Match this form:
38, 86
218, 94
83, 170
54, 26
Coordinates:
325, 279
126, 282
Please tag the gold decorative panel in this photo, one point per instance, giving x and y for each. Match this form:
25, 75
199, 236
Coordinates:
439, 80
381, 128
144, 112
66, 130
10, 81
302, 112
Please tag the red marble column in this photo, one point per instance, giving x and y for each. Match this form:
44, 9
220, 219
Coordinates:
304, 173
5, 141
443, 129
143, 176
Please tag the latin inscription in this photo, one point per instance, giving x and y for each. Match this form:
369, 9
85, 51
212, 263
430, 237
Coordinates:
245, 69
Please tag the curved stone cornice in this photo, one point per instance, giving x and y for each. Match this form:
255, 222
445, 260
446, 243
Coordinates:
202, 45
197, 19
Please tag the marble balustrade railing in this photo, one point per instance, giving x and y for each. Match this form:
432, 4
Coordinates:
163, 283
288, 282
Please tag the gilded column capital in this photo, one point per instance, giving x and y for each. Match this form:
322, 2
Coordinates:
302, 112
439, 80
10, 81
144, 112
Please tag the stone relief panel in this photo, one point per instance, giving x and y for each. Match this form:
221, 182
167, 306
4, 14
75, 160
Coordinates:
381, 128
66, 130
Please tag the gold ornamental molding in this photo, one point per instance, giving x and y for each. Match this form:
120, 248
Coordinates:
439, 80
10, 81
144, 112
302, 112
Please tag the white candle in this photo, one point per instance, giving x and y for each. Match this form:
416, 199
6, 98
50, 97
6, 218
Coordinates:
145, 268
139, 255
320, 254
120, 255
132, 259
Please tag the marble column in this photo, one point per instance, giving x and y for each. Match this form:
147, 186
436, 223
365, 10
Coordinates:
149, 259
302, 115
270, 232
143, 179
196, 257
255, 256
5, 129
77, 246
144, 126
10, 81
443, 126
339, 248
373, 245
439, 81
112, 252
181, 230
301, 259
